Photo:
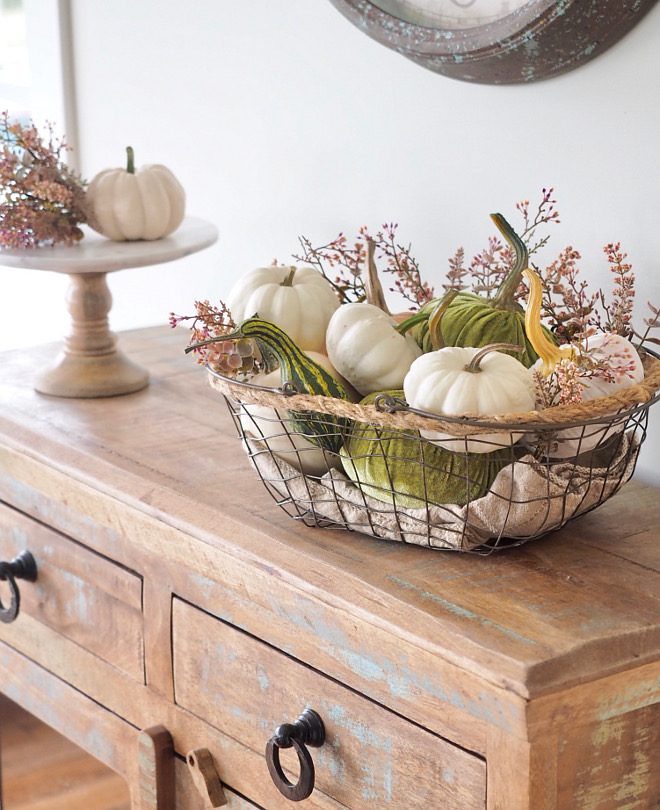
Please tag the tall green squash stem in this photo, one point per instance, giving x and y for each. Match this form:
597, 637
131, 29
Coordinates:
504, 298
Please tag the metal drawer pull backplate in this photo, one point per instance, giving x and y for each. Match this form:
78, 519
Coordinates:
21, 567
307, 730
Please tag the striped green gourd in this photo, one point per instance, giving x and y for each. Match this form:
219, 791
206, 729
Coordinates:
306, 375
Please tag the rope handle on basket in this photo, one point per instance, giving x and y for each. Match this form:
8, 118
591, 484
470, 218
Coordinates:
396, 413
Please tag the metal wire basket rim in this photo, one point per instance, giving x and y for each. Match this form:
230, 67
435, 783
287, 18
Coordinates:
615, 407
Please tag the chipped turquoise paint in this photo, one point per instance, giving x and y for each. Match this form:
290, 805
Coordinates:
209, 589
633, 697
262, 678
329, 757
56, 514
18, 537
80, 602
464, 613
399, 678
44, 697
372, 784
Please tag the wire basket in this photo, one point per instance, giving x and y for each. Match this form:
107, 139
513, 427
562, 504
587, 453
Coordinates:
382, 472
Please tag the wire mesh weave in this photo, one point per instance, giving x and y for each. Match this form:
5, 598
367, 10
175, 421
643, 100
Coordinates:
391, 479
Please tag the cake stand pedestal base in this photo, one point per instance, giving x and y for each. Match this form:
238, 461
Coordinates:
90, 365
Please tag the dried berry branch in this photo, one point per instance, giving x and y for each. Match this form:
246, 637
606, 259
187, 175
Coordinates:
619, 312
567, 306
561, 387
347, 263
42, 201
346, 279
544, 214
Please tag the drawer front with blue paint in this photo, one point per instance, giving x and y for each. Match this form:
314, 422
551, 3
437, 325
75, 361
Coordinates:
371, 757
82, 613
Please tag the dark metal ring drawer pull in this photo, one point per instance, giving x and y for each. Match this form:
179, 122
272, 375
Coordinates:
21, 567
308, 730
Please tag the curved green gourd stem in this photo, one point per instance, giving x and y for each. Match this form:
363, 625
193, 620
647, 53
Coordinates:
413, 320
130, 160
307, 376
504, 297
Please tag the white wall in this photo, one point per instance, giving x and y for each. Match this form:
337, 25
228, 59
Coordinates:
281, 119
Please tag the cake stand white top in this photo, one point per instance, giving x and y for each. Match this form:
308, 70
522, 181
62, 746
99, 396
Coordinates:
97, 254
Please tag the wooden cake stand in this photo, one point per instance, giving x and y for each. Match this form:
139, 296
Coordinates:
90, 365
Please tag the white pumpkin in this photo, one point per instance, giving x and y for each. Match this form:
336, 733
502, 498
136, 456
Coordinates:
457, 381
364, 346
621, 354
128, 204
623, 360
297, 299
270, 425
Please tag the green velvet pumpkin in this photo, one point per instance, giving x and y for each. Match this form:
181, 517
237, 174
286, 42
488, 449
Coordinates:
401, 468
468, 320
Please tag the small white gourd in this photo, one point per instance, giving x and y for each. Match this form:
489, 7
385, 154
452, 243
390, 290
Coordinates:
363, 344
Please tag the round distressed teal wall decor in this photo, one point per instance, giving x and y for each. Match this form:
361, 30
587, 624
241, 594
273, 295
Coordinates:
496, 41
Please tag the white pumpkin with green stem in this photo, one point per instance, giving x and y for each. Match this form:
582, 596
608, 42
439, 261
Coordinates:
364, 344
621, 356
465, 381
297, 299
129, 205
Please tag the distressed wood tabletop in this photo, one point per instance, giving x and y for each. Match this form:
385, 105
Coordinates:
576, 605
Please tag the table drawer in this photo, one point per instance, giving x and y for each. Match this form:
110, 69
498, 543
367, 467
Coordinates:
371, 756
79, 596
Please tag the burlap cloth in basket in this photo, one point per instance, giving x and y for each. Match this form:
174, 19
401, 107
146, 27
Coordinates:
526, 499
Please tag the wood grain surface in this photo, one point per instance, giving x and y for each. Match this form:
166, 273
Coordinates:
536, 669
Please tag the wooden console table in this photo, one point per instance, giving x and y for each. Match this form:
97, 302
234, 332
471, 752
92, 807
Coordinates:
178, 617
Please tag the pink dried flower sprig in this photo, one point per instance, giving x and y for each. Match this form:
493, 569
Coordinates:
342, 265
488, 268
619, 312
209, 321
42, 201
562, 387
